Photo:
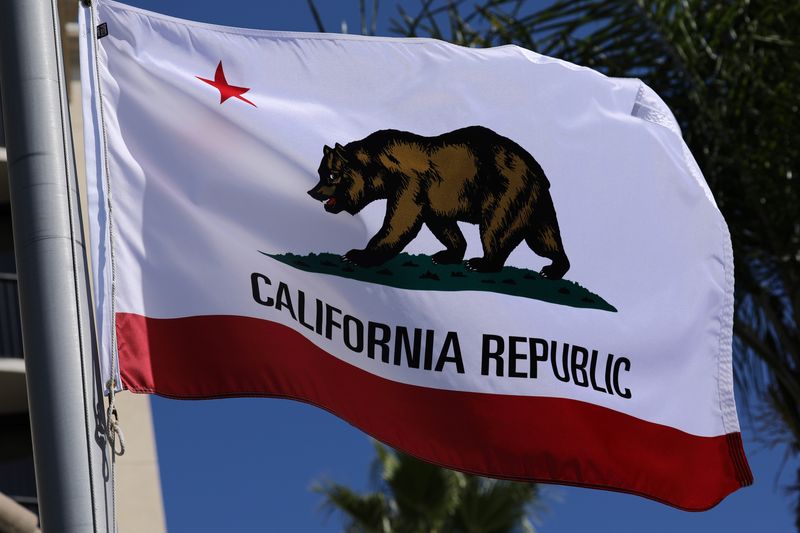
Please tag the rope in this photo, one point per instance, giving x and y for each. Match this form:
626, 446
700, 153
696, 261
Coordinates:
109, 206
114, 435
114, 430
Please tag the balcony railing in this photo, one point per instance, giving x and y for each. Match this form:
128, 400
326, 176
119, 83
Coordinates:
10, 331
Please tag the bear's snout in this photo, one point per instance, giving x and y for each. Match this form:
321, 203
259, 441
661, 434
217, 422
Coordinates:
320, 193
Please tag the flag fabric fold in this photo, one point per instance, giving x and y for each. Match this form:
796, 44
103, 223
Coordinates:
493, 260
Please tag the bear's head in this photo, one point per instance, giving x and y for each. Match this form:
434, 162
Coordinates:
342, 185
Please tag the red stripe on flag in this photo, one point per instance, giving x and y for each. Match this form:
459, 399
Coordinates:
514, 437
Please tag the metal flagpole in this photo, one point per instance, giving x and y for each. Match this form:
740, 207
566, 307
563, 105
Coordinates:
64, 394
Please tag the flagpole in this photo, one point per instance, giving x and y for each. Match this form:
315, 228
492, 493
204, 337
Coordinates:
64, 398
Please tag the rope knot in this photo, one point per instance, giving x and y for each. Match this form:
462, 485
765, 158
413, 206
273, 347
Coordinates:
114, 433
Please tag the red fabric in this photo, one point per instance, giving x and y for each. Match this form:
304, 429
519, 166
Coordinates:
514, 437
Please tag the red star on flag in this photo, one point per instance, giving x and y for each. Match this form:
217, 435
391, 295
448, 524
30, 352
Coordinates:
225, 89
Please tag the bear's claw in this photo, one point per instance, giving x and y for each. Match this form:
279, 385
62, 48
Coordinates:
556, 270
362, 258
447, 257
480, 264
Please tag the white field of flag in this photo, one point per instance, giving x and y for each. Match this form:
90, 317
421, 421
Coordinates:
280, 214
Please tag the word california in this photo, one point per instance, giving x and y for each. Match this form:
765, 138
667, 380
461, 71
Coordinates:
429, 350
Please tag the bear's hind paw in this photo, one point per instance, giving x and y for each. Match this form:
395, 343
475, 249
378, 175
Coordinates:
554, 271
362, 258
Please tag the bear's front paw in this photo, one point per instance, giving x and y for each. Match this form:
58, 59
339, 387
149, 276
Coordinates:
361, 258
447, 257
480, 264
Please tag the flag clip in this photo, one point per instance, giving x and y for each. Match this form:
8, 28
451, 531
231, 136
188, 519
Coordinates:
102, 30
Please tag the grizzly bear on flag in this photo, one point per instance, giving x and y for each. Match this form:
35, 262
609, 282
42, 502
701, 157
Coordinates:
470, 174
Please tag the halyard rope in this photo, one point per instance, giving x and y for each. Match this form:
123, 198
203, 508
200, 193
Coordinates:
114, 434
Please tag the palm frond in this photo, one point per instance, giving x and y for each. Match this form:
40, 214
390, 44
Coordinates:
414, 496
317, 19
369, 513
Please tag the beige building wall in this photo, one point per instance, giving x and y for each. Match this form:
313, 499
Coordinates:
139, 502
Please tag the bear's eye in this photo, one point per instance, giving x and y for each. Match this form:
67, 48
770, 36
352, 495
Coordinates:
334, 177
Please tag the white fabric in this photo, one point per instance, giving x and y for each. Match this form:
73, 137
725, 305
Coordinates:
199, 188
100, 255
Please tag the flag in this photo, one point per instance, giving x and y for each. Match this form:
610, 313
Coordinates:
493, 260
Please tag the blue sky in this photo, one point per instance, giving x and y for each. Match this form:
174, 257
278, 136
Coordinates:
248, 464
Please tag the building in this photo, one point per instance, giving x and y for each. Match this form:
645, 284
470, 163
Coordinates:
139, 502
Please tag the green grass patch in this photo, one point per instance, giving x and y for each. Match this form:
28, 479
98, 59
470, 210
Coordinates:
419, 272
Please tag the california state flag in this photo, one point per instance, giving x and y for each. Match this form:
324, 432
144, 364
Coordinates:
493, 260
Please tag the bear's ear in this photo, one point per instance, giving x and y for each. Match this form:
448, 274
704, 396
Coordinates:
326, 150
339, 149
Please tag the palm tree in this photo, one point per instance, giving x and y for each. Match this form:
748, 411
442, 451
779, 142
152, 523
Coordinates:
730, 71
412, 496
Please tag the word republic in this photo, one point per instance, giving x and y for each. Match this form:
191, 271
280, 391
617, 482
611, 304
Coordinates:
512, 357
